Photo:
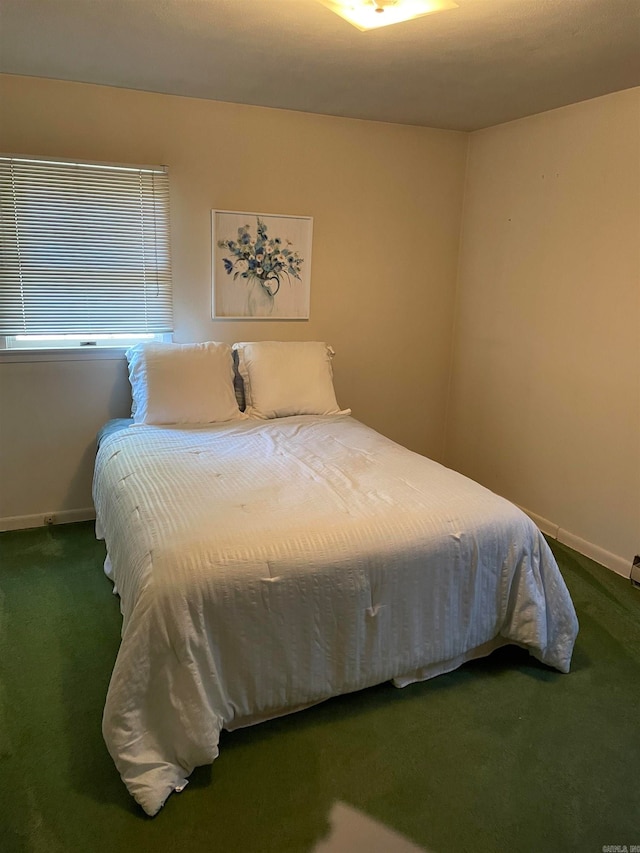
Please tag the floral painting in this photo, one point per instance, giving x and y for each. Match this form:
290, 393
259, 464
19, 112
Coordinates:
261, 265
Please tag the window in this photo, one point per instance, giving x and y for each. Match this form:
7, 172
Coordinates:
84, 253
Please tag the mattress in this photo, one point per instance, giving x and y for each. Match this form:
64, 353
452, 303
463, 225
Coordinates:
264, 566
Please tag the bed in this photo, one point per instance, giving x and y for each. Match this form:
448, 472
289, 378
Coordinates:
267, 564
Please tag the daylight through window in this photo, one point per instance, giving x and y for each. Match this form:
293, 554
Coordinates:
84, 252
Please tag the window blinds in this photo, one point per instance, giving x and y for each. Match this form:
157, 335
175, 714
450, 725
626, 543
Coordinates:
84, 248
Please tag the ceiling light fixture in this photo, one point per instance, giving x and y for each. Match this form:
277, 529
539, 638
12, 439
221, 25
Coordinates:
371, 14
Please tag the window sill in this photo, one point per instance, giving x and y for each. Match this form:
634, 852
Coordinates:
14, 356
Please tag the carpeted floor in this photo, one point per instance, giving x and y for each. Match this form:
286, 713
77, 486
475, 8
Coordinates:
502, 755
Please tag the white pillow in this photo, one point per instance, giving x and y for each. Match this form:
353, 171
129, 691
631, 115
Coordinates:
182, 383
287, 378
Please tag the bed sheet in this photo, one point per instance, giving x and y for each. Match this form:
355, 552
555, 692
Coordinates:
266, 566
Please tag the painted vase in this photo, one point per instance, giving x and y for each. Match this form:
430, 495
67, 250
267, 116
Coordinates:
260, 300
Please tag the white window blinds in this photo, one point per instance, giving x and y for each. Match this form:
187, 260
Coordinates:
84, 248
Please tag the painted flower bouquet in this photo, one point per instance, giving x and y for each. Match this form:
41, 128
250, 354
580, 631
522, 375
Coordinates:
265, 261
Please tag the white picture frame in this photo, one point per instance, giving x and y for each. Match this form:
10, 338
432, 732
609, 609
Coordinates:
261, 265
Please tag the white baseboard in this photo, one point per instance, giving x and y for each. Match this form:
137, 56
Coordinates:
63, 516
544, 524
610, 561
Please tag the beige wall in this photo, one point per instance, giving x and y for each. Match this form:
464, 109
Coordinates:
545, 398
386, 201
49, 418
544, 403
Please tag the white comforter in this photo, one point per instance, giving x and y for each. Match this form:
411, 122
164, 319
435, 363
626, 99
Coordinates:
265, 566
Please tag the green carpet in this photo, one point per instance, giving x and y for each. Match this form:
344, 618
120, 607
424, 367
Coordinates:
502, 755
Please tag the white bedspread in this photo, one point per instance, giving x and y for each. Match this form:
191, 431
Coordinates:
265, 566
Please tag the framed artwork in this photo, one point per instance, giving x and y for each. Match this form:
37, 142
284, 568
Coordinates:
261, 265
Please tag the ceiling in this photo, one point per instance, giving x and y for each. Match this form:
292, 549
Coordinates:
487, 62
